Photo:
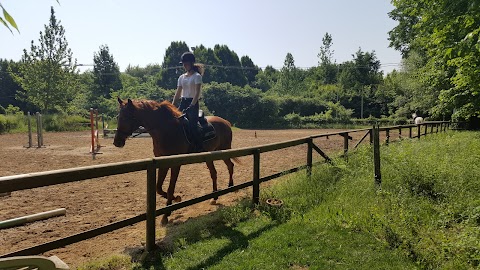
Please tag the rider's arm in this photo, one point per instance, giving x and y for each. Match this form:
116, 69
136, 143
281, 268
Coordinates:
177, 95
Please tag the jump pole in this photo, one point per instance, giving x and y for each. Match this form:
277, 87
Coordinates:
31, 218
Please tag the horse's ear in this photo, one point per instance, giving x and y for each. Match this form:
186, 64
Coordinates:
130, 103
120, 101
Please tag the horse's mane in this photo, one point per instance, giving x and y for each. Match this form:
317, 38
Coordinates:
164, 107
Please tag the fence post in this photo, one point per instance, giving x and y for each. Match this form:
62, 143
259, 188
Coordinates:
400, 132
419, 132
39, 141
431, 128
29, 121
92, 133
376, 155
426, 129
345, 145
387, 134
96, 129
436, 127
309, 156
410, 132
151, 206
371, 135
256, 176
103, 125
41, 130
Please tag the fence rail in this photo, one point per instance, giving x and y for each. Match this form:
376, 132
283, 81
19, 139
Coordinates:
42, 179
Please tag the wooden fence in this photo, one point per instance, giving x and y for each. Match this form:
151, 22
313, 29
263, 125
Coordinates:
42, 179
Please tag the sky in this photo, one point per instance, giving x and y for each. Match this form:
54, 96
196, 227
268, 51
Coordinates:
138, 32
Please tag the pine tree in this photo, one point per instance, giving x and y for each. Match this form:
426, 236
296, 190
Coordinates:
106, 73
47, 73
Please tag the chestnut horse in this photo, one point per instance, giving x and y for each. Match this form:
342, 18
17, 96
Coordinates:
161, 121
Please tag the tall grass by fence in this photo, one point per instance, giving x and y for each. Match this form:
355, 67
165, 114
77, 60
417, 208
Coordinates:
42, 179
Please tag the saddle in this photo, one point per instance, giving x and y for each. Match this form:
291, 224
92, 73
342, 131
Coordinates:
205, 130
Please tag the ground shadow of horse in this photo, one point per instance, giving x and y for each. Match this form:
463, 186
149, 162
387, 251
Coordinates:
212, 226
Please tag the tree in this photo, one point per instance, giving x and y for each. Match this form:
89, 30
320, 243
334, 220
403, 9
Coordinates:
231, 64
213, 71
447, 33
266, 78
290, 78
250, 70
106, 73
8, 86
326, 53
327, 70
47, 73
360, 78
171, 68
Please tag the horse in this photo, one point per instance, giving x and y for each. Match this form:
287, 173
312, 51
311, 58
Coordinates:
162, 120
417, 119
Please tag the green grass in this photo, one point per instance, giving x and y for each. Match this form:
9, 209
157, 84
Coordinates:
425, 216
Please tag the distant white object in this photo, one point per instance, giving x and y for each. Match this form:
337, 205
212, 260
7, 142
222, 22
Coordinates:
417, 119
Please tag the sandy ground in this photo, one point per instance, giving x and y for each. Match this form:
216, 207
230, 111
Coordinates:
96, 202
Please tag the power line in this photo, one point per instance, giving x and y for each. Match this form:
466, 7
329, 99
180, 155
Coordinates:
339, 66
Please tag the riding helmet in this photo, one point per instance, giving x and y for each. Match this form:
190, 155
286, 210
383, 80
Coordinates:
187, 57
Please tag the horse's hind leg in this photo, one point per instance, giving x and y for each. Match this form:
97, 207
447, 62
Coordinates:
230, 165
213, 175
174, 172
162, 174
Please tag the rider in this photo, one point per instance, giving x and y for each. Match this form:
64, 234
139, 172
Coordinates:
189, 88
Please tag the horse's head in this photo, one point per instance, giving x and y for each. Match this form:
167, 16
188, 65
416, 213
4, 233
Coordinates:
127, 123
414, 115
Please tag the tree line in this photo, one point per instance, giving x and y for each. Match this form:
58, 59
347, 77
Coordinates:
434, 83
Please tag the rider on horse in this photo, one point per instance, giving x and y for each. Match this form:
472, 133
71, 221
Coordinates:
189, 89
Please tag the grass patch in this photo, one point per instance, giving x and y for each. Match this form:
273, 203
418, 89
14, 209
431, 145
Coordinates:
426, 216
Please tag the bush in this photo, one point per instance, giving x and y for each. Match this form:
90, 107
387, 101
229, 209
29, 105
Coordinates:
13, 110
10, 122
57, 122
300, 105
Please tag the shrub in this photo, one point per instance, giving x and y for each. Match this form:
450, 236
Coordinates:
57, 122
13, 110
10, 122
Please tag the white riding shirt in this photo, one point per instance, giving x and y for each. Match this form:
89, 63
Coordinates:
188, 82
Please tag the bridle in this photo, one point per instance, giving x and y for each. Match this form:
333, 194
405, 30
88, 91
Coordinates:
133, 121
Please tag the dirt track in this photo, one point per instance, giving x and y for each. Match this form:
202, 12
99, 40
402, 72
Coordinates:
97, 202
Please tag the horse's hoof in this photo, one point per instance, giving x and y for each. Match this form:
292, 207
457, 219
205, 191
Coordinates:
164, 221
162, 193
213, 202
177, 199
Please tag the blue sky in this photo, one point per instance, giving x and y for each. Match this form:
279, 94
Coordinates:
138, 32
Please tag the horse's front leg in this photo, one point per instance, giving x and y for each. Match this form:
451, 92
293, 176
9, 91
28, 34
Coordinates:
174, 172
162, 174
